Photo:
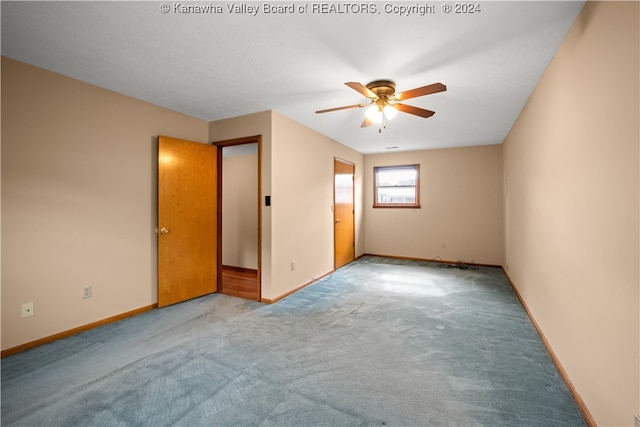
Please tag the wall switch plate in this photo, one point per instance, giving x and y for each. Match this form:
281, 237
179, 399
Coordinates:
293, 265
27, 309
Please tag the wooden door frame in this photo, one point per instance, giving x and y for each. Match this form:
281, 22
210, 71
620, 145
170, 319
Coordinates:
256, 139
353, 198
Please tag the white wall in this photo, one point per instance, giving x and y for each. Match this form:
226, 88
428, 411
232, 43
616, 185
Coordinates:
240, 208
461, 207
571, 211
79, 200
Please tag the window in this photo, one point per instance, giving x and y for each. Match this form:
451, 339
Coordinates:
396, 186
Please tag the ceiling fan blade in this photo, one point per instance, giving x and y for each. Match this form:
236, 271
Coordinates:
366, 122
414, 110
362, 89
346, 107
421, 91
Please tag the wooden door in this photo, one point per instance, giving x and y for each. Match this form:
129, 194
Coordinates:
187, 220
343, 213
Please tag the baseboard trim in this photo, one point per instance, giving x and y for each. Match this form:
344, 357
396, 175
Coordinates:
70, 332
443, 261
304, 285
239, 269
588, 417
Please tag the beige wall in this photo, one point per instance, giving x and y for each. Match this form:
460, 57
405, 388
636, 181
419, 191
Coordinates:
461, 207
302, 165
240, 210
558, 204
571, 211
78, 200
297, 173
245, 126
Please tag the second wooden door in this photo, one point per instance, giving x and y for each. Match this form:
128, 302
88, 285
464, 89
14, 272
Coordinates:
343, 213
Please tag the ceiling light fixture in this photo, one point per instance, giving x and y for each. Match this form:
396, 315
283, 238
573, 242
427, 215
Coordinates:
376, 111
389, 111
384, 102
380, 111
374, 114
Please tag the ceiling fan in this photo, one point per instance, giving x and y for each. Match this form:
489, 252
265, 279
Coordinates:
384, 101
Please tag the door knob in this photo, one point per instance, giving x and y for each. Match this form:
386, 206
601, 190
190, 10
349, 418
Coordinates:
163, 230
337, 220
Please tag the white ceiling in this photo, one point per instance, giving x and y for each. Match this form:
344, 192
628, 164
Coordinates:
215, 66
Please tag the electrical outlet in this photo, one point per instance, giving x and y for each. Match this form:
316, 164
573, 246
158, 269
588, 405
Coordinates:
444, 245
86, 292
293, 265
27, 309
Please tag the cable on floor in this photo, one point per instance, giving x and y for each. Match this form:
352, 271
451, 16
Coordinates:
461, 265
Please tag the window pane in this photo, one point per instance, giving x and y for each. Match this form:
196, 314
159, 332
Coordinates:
397, 186
396, 195
343, 188
392, 177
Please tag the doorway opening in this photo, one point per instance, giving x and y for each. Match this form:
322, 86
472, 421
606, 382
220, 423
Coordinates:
239, 217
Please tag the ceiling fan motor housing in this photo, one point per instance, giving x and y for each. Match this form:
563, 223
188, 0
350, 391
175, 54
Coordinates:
382, 88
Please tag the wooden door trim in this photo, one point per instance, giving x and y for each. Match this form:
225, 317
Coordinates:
255, 139
353, 198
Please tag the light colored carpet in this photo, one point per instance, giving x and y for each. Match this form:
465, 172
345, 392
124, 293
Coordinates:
379, 342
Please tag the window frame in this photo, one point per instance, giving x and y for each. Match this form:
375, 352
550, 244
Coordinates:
415, 205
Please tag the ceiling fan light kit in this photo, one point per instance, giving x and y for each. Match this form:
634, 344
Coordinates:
390, 112
374, 114
384, 102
